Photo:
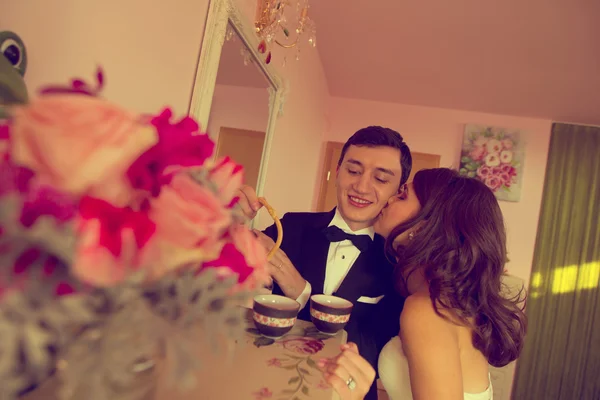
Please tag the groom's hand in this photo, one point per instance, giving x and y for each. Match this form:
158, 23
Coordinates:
282, 270
248, 201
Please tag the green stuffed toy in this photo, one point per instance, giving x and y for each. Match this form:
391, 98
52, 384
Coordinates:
13, 64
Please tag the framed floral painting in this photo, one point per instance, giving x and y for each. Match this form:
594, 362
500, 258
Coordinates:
495, 156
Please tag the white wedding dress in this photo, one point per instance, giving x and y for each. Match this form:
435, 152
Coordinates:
393, 372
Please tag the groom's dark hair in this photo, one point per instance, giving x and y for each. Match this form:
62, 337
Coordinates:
378, 136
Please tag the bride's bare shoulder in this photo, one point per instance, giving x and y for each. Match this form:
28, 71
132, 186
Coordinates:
420, 319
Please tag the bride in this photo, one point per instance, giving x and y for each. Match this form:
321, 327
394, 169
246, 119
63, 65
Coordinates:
447, 234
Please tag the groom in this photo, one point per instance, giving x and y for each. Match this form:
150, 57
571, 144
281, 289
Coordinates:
337, 252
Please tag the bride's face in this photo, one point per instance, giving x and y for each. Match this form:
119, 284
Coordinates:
399, 209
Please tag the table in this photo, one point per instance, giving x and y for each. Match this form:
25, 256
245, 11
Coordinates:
265, 369
261, 369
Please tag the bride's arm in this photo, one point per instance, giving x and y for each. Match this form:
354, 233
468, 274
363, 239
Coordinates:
431, 347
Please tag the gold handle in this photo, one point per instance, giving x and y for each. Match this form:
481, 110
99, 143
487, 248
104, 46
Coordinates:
273, 215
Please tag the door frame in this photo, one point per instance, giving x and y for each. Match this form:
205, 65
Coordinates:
327, 173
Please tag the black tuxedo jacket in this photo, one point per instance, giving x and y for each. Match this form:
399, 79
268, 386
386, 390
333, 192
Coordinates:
370, 325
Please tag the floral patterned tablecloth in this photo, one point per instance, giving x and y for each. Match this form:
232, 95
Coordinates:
283, 369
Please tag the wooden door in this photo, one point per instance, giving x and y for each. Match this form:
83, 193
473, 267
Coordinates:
245, 147
327, 194
423, 161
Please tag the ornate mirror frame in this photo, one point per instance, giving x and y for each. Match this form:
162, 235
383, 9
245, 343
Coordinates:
220, 13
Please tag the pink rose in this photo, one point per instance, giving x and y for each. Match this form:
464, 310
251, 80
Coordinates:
79, 144
478, 153
483, 171
249, 245
506, 179
255, 257
228, 176
509, 169
493, 182
190, 224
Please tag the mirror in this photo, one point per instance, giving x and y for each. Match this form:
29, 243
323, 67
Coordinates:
239, 115
236, 96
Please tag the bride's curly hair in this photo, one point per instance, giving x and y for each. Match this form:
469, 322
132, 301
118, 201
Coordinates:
460, 245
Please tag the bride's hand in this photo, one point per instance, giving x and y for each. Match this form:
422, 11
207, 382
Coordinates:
350, 375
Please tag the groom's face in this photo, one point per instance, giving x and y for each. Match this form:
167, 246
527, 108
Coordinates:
366, 179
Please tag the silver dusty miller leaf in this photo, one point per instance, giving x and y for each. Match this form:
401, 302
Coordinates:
55, 238
34, 328
106, 343
201, 311
115, 359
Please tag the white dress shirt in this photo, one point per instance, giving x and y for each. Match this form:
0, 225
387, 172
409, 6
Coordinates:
340, 258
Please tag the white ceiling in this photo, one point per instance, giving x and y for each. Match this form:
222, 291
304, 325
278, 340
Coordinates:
535, 58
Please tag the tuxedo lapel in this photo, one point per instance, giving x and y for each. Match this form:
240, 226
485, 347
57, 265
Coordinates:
366, 277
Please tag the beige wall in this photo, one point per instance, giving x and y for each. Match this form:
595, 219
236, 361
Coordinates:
149, 52
440, 131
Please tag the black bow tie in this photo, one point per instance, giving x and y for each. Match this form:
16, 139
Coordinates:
335, 234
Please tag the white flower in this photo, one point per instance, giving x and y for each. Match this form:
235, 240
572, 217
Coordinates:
493, 146
506, 156
492, 160
480, 141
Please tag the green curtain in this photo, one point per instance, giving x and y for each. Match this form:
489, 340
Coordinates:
561, 357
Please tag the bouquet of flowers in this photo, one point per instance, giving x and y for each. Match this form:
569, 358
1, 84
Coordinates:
120, 240
489, 155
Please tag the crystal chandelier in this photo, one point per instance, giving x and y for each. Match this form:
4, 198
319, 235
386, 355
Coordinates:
272, 25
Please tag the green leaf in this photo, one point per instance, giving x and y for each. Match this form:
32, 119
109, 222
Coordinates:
304, 371
305, 390
311, 363
472, 174
471, 166
263, 341
290, 367
465, 160
463, 171
293, 379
